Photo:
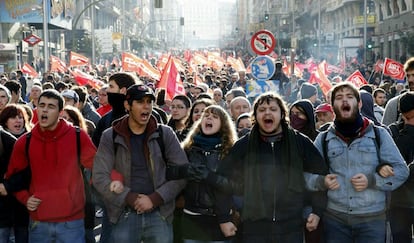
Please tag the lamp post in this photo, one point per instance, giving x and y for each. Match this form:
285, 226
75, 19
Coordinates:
46, 34
319, 29
365, 31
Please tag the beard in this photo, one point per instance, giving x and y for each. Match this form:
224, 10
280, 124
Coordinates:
350, 119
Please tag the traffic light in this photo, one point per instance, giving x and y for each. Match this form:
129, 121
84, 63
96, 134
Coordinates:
369, 45
158, 4
266, 17
181, 21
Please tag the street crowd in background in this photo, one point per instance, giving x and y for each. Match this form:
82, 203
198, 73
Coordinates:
210, 163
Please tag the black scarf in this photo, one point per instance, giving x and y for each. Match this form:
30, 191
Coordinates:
350, 129
253, 207
116, 100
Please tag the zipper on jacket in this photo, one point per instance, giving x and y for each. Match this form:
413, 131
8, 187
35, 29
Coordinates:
274, 189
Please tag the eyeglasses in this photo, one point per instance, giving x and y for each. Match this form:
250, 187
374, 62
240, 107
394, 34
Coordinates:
178, 107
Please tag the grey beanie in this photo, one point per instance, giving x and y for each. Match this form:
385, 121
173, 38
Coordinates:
307, 90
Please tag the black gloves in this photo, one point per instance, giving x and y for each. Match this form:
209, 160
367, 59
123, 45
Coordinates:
196, 172
176, 172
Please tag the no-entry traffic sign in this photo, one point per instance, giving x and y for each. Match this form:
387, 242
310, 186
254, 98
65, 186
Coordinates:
263, 42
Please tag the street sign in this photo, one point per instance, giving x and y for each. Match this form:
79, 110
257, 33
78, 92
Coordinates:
263, 42
263, 68
32, 39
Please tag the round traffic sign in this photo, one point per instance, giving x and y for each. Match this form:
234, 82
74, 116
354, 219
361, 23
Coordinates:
262, 67
263, 42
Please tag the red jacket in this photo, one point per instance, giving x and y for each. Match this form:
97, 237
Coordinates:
56, 177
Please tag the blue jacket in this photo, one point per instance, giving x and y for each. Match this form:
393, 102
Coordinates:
360, 156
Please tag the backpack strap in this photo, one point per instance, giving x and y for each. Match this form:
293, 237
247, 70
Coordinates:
160, 141
377, 141
1, 143
78, 146
325, 147
28, 138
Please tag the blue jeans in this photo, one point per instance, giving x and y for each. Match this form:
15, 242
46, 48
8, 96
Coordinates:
337, 232
5, 234
146, 227
20, 234
62, 232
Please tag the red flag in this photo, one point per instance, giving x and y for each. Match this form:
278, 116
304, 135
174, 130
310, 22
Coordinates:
357, 79
319, 77
170, 80
393, 69
29, 70
84, 78
57, 65
379, 66
130, 62
77, 59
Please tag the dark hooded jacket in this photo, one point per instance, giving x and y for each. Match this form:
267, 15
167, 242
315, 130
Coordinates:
367, 108
310, 128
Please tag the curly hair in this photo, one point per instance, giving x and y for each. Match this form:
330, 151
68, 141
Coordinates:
268, 97
227, 130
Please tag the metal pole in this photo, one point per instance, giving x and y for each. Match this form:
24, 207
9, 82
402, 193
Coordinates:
93, 35
319, 29
365, 31
46, 34
123, 46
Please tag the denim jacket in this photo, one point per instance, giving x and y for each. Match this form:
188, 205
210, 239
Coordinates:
360, 156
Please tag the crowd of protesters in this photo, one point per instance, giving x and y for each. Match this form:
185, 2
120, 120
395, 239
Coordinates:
210, 165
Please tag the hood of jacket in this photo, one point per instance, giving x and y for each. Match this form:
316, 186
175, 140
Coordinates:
62, 128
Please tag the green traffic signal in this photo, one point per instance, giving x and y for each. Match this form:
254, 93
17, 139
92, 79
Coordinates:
266, 17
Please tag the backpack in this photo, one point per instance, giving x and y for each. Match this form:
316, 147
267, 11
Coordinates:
395, 129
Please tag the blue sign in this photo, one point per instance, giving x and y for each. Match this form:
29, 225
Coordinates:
255, 88
263, 68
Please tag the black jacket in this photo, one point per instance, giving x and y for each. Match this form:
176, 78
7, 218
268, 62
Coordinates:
404, 195
12, 212
282, 203
200, 196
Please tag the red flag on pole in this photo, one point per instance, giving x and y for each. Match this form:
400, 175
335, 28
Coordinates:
57, 65
84, 78
393, 69
77, 59
170, 80
379, 65
357, 79
319, 77
29, 70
